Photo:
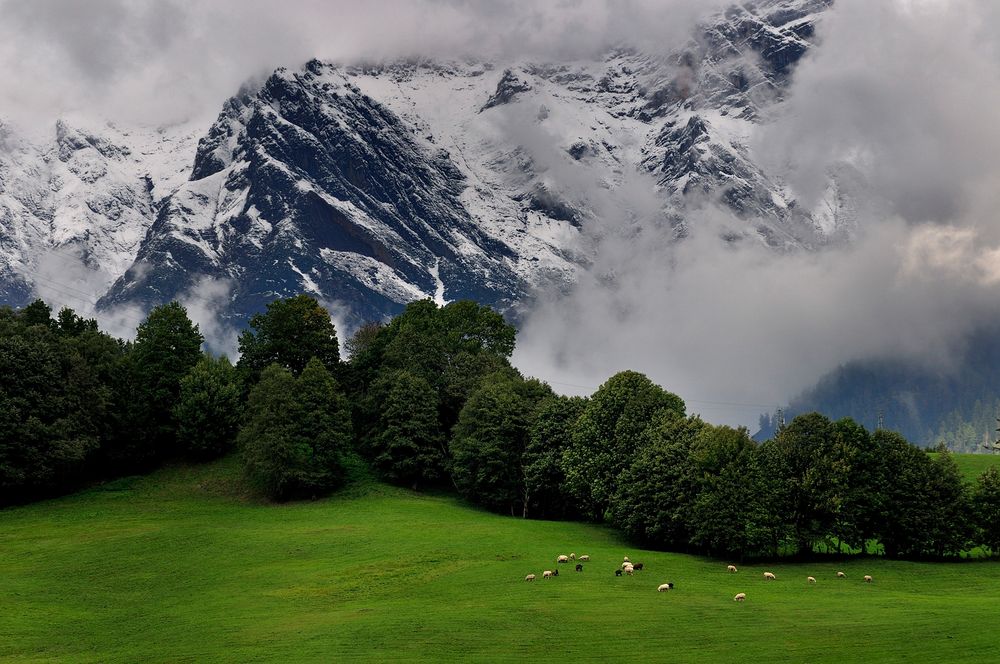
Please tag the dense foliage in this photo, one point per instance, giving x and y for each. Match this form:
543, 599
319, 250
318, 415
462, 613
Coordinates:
297, 437
431, 400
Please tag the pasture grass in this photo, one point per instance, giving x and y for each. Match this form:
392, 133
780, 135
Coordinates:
973, 465
185, 566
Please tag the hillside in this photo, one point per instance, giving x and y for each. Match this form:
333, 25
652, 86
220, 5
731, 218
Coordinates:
183, 566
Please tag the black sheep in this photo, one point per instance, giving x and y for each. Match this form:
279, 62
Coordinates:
618, 572
637, 566
579, 567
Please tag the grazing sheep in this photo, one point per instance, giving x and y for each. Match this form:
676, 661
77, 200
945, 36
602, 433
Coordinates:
618, 572
841, 575
811, 579
585, 559
626, 564
663, 587
547, 574
629, 570
572, 556
555, 572
562, 559
530, 577
740, 597
732, 568
579, 567
868, 579
637, 566
769, 576
626, 558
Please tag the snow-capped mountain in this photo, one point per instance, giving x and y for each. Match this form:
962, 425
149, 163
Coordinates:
370, 185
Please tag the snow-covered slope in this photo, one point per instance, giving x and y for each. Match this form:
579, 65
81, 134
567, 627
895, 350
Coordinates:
370, 185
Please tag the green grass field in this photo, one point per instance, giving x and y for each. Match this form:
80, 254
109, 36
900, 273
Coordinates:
181, 566
974, 465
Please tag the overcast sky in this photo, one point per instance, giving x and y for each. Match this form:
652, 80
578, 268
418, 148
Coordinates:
907, 90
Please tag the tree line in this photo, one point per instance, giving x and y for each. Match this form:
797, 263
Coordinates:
430, 400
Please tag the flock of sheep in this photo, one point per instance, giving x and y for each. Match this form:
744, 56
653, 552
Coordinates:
769, 576
630, 568
627, 567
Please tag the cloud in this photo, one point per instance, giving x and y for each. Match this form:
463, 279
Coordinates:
163, 61
905, 92
206, 302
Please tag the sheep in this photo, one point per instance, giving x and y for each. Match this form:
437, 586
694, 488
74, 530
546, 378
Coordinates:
555, 572
868, 579
731, 568
530, 577
584, 559
626, 559
629, 570
811, 579
769, 576
663, 587
547, 574
740, 597
562, 559
579, 567
572, 556
841, 575
618, 572
637, 566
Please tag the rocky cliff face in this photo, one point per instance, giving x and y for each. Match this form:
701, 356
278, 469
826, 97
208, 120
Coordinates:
372, 185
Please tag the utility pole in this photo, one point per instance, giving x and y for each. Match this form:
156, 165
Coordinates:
881, 421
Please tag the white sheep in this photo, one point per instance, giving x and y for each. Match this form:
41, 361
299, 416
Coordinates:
811, 579
663, 587
562, 559
547, 574
530, 577
584, 559
769, 576
629, 569
841, 575
740, 597
572, 556
732, 568
868, 579
626, 558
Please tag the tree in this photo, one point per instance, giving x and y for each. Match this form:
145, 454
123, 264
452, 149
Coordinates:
950, 526
324, 419
606, 436
408, 446
167, 345
986, 509
817, 478
656, 491
548, 439
37, 313
907, 520
291, 332
209, 409
730, 514
56, 394
297, 433
489, 442
451, 348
